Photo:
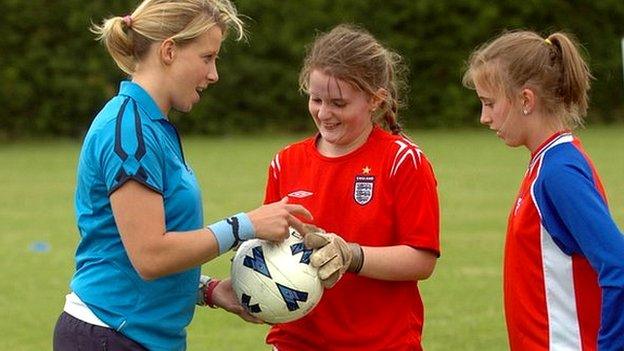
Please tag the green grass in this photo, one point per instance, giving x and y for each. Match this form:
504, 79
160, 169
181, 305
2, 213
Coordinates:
477, 178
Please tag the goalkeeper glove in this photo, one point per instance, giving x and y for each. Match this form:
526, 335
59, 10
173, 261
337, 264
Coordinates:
333, 256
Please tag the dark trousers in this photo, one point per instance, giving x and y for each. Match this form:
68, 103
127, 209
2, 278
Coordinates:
72, 334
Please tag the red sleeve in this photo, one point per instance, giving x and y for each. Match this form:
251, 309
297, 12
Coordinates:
272, 192
416, 201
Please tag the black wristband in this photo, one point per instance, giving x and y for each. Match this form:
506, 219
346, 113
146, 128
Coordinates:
357, 258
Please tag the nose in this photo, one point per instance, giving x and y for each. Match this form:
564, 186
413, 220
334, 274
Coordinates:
485, 118
323, 112
213, 75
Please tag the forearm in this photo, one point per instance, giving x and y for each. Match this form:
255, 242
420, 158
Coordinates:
140, 218
177, 251
397, 263
174, 252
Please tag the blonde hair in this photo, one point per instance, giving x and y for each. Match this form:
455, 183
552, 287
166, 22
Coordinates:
128, 38
352, 54
552, 66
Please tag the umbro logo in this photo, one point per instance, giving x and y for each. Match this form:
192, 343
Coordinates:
300, 194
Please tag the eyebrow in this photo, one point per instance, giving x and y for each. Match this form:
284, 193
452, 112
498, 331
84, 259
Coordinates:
331, 98
210, 52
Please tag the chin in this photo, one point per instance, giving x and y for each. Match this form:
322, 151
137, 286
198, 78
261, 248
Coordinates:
183, 109
512, 143
329, 138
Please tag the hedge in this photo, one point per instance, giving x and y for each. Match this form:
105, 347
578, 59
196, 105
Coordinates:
54, 76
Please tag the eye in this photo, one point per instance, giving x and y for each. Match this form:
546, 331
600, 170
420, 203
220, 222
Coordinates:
339, 103
210, 58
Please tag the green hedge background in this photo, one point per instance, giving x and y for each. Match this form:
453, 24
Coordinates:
54, 77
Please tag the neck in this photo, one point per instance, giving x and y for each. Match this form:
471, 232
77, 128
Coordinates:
155, 87
541, 130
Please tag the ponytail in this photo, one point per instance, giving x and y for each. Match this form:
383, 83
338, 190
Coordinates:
575, 75
115, 34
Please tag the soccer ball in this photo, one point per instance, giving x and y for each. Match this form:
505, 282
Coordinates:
275, 281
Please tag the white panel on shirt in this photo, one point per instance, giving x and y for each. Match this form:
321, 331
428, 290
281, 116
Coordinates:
564, 333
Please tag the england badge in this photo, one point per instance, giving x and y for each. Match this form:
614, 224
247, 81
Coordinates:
363, 189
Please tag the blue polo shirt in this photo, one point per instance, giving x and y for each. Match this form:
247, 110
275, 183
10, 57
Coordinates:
131, 139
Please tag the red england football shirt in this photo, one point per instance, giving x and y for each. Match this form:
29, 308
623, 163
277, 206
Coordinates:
382, 194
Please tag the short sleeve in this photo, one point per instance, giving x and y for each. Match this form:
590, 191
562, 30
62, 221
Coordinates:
416, 201
131, 151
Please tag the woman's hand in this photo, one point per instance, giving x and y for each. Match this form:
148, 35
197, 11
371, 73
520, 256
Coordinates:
223, 296
271, 221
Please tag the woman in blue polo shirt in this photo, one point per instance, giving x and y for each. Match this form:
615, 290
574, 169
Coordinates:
138, 204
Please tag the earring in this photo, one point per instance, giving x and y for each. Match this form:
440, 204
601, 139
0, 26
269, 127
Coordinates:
525, 112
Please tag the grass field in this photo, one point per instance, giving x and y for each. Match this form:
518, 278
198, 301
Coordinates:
477, 176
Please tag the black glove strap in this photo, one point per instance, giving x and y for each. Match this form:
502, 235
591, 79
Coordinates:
357, 258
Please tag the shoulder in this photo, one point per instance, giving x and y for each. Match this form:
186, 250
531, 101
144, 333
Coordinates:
563, 160
108, 115
565, 171
122, 127
402, 152
394, 143
295, 150
298, 146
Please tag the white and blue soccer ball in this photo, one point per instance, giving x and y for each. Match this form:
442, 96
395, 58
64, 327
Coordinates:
275, 281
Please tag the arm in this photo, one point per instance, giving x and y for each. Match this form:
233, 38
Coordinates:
140, 218
580, 221
333, 257
398, 263
417, 218
416, 214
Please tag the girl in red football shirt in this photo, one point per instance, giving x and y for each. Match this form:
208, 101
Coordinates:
373, 188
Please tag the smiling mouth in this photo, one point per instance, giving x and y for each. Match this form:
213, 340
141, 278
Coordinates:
330, 126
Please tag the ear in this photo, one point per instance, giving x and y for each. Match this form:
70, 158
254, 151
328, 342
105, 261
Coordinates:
378, 98
527, 100
168, 51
